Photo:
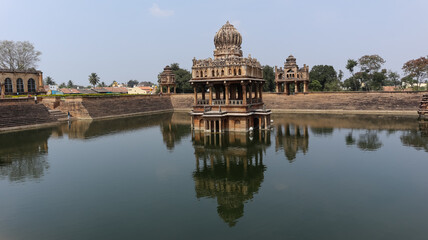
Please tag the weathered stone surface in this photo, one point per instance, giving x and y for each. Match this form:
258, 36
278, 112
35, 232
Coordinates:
21, 113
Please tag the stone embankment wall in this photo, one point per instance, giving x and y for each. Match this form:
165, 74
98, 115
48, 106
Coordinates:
23, 113
110, 106
331, 102
346, 102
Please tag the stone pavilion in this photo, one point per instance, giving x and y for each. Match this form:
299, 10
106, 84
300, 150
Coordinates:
167, 79
228, 89
292, 74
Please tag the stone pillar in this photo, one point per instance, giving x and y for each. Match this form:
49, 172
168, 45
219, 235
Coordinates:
220, 125
227, 93
251, 93
296, 87
261, 92
2, 85
305, 87
266, 123
168, 89
211, 95
175, 88
195, 89
287, 88
244, 94
277, 87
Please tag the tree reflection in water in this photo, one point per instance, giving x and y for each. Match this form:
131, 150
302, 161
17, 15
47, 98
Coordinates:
417, 138
229, 167
23, 154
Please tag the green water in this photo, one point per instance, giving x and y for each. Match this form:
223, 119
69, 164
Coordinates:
310, 177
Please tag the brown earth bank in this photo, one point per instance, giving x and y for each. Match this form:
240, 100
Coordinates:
18, 113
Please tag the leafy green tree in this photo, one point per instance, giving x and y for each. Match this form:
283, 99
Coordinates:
352, 84
315, 86
350, 65
326, 76
62, 85
94, 79
269, 77
49, 81
102, 84
392, 79
70, 84
408, 80
132, 83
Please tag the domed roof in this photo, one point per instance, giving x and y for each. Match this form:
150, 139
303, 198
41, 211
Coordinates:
228, 37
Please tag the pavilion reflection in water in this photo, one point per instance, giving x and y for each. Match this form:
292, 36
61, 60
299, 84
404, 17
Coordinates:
291, 138
230, 168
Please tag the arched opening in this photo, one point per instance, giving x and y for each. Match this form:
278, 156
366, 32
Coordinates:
206, 73
202, 74
212, 73
8, 86
222, 72
197, 74
239, 71
19, 86
31, 85
217, 73
234, 72
230, 71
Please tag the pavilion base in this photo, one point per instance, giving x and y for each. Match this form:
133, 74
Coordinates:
215, 121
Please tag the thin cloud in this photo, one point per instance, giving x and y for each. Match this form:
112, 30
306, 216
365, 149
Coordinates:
157, 12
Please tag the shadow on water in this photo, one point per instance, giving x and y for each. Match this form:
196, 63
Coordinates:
229, 168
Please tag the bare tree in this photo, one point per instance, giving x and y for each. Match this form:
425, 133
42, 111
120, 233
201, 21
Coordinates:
18, 55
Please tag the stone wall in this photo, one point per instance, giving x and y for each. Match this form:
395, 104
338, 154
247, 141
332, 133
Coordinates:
110, 106
347, 102
182, 101
20, 113
333, 102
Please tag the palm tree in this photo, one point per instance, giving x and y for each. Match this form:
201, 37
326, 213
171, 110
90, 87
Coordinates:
94, 79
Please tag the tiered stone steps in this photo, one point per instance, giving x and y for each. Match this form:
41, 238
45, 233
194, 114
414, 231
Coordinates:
423, 107
58, 115
113, 106
23, 114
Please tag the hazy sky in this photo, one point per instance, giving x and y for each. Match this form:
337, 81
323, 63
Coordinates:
123, 40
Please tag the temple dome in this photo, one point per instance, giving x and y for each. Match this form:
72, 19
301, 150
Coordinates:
228, 37
228, 41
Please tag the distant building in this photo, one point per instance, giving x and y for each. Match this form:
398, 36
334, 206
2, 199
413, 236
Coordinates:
21, 82
140, 90
292, 74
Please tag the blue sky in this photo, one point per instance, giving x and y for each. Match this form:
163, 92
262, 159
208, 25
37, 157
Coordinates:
123, 40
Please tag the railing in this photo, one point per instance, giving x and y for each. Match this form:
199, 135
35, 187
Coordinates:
203, 102
235, 102
219, 102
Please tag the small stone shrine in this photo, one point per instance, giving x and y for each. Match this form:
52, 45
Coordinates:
292, 74
167, 79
